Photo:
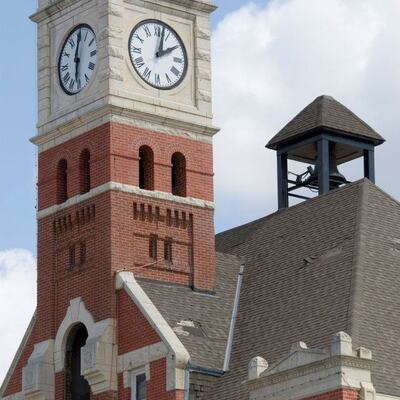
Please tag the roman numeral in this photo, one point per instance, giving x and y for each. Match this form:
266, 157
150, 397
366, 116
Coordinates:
64, 67
175, 71
157, 79
87, 78
178, 60
139, 62
71, 42
147, 31
168, 79
136, 50
87, 32
79, 83
93, 53
91, 66
147, 73
71, 84
166, 37
66, 54
91, 42
157, 30
66, 77
138, 38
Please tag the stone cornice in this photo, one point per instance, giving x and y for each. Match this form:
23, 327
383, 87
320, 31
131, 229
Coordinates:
54, 8
332, 362
119, 187
171, 126
59, 5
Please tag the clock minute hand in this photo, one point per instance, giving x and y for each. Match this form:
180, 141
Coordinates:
161, 46
77, 59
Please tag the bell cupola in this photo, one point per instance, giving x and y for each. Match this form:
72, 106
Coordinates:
324, 135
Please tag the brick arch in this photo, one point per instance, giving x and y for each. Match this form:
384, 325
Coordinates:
173, 148
89, 145
137, 144
59, 156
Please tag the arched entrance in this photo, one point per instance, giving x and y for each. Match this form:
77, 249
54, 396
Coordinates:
76, 386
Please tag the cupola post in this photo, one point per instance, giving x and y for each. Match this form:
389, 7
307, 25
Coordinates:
324, 135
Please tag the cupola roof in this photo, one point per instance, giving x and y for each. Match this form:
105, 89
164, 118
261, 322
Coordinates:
325, 113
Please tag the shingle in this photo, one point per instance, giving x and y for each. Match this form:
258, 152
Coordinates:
325, 112
326, 265
210, 315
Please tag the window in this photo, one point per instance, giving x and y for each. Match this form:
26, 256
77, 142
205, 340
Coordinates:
84, 171
138, 386
62, 181
168, 249
153, 247
82, 253
178, 175
146, 168
77, 388
72, 256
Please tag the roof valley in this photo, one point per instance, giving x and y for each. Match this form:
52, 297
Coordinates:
356, 289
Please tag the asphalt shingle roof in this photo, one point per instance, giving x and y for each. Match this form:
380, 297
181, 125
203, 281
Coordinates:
210, 314
325, 265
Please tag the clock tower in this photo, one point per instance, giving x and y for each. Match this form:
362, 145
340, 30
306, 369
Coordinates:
125, 192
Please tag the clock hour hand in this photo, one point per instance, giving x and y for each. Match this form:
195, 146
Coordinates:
161, 46
167, 51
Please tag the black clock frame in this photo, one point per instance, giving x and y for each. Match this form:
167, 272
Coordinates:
147, 21
75, 28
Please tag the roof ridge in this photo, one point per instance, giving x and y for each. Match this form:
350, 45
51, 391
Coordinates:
357, 262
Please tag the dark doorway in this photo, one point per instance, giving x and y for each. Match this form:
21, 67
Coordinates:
76, 387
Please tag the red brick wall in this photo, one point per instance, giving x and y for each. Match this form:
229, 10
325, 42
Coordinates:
135, 332
114, 156
15, 383
115, 227
340, 394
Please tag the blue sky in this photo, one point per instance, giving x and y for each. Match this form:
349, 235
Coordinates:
18, 116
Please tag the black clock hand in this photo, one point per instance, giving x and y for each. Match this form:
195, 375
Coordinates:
77, 59
167, 51
161, 46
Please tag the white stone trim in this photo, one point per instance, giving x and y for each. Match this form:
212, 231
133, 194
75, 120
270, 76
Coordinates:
139, 360
15, 396
304, 372
54, 7
51, 136
130, 189
76, 313
178, 357
99, 355
15, 361
38, 379
380, 396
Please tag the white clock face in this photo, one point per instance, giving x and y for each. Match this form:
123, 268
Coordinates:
158, 54
77, 59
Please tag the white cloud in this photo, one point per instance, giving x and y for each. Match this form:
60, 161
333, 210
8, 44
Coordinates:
17, 301
270, 62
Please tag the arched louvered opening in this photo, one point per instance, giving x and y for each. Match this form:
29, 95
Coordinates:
62, 181
76, 386
146, 168
178, 178
84, 171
